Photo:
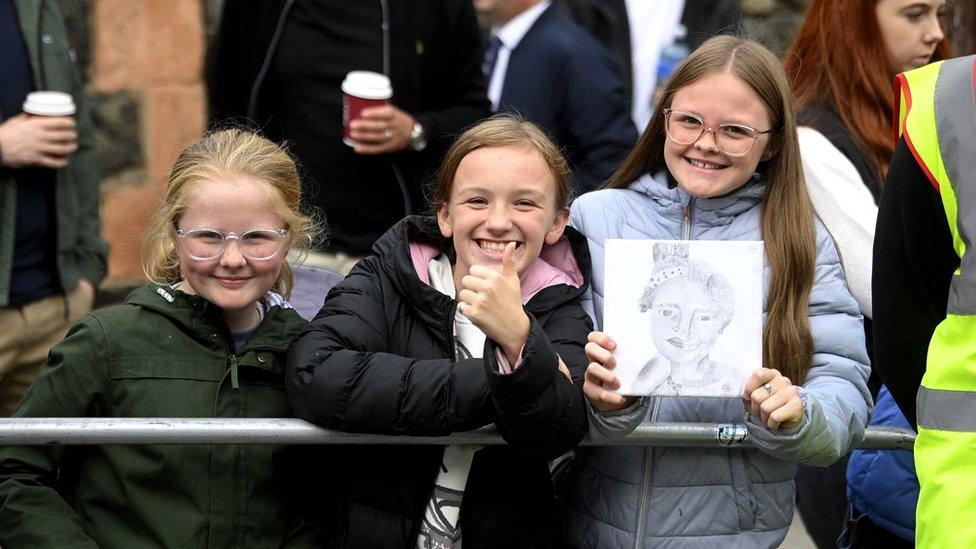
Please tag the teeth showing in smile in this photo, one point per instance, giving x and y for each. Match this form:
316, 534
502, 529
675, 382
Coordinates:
493, 246
704, 165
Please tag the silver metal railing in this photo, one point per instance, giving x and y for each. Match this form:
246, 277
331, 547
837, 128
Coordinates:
84, 431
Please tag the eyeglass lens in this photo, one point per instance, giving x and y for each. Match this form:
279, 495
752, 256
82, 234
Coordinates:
733, 139
256, 244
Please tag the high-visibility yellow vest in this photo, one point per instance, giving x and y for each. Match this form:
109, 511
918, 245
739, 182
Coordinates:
937, 117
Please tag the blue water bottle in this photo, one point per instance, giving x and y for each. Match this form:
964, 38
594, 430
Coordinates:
671, 56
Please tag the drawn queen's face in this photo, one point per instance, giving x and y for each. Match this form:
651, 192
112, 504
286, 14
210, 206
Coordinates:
685, 321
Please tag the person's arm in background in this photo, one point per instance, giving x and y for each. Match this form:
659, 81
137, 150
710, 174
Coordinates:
913, 265
388, 129
64, 143
845, 206
597, 114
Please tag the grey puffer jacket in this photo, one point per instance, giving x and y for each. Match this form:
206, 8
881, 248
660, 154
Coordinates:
703, 497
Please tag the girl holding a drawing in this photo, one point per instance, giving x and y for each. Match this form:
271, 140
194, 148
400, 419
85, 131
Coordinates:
720, 161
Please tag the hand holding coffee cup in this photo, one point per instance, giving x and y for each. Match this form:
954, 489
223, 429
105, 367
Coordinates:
370, 124
43, 136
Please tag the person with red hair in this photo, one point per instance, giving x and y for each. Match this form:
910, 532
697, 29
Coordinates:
843, 62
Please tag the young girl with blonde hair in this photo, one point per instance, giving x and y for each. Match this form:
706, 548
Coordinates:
206, 338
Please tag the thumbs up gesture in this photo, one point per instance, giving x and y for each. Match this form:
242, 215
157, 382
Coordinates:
491, 297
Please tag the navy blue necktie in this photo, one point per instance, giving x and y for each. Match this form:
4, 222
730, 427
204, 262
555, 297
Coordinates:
491, 55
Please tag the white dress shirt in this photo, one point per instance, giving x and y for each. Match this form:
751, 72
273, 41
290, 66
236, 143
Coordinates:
510, 34
653, 27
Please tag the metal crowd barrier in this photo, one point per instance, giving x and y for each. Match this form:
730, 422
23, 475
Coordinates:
130, 430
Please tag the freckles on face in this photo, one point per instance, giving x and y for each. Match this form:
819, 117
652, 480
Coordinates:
701, 168
230, 205
500, 195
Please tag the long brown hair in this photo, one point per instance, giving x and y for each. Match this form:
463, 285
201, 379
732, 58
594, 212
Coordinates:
839, 59
787, 217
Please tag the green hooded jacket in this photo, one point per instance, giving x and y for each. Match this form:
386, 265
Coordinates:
81, 252
162, 354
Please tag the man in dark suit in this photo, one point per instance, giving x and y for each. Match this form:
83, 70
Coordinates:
542, 65
612, 21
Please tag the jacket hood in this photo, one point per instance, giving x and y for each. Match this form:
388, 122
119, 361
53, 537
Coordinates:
199, 317
406, 249
717, 210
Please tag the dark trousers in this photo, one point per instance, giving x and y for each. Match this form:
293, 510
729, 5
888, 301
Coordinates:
821, 501
862, 533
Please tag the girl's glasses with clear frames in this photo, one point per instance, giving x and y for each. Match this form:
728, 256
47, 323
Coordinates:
686, 128
209, 244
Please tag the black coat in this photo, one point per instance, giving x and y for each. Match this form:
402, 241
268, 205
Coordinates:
607, 21
562, 79
435, 70
914, 262
379, 358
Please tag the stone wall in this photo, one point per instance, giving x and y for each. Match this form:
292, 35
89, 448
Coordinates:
142, 62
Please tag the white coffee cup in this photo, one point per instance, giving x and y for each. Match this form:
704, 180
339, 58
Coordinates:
49, 103
361, 90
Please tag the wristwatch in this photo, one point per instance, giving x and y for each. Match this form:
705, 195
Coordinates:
418, 137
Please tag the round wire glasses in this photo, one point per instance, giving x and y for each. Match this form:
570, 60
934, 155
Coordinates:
686, 128
255, 244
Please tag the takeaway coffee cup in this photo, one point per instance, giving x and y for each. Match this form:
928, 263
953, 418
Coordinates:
361, 90
49, 103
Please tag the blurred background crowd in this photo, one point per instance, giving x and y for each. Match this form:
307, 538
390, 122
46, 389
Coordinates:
143, 66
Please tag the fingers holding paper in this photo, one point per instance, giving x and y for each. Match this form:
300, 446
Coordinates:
599, 382
771, 397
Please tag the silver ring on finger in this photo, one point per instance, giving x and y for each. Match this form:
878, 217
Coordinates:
388, 133
769, 389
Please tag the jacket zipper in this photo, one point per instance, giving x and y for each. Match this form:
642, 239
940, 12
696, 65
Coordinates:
688, 219
234, 376
645, 489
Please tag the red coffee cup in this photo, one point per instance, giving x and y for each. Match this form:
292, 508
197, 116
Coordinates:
361, 90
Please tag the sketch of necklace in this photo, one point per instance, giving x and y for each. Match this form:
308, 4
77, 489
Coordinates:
706, 379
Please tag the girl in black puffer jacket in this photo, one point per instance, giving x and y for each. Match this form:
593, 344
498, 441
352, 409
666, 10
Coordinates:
394, 351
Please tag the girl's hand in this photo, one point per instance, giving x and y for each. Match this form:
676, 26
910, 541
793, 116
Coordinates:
492, 299
599, 381
771, 397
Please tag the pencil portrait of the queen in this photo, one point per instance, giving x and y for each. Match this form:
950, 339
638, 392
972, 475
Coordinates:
690, 305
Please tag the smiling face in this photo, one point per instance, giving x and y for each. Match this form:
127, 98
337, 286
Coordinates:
911, 30
701, 168
685, 321
231, 281
500, 195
